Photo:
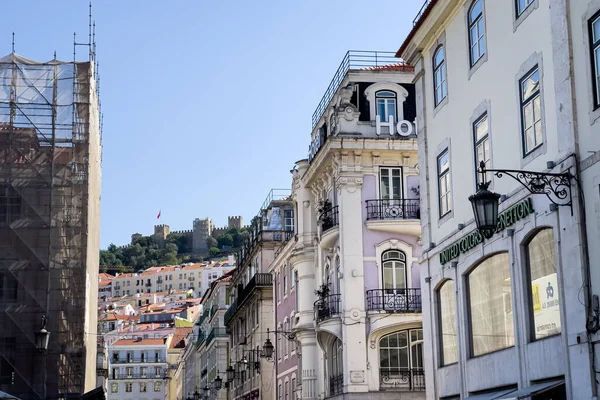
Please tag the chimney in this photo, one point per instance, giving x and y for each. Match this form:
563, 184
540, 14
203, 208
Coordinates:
230, 260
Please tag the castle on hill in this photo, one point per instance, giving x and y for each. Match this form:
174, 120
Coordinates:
202, 228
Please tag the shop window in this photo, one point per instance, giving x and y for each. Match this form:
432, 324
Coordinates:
490, 306
447, 322
543, 285
401, 360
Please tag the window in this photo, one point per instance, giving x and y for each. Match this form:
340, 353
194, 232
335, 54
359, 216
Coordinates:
288, 219
279, 347
128, 387
181, 286
594, 28
285, 281
114, 387
544, 294
401, 359
337, 358
522, 6
476, 31
287, 390
143, 370
292, 277
279, 296
490, 306
10, 205
143, 387
157, 386
293, 387
447, 322
279, 391
531, 111
445, 191
386, 106
482, 145
439, 75
393, 263
390, 183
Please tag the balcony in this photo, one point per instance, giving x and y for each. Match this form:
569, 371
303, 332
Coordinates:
200, 340
327, 307
148, 284
394, 300
329, 221
139, 360
412, 379
139, 376
336, 385
258, 281
203, 316
394, 215
257, 236
230, 313
353, 60
191, 278
216, 332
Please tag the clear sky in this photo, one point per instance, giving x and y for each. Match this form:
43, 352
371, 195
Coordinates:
207, 104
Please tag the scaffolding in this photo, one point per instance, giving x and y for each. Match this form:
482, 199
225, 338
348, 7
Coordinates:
50, 157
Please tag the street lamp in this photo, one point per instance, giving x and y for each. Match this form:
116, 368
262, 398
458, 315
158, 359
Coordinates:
230, 373
218, 382
42, 337
196, 394
557, 187
268, 349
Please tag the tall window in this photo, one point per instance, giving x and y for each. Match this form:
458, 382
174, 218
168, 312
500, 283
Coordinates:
476, 31
390, 183
285, 280
531, 111
336, 367
447, 320
594, 28
444, 188
279, 391
439, 75
386, 105
10, 205
157, 386
544, 294
490, 306
522, 6
401, 358
482, 144
287, 390
288, 219
129, 387
394, 269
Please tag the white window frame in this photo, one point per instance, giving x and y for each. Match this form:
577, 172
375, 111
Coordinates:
288, 220
388, 99
529, 102
477, 45
440, 84
481, 143
389, 178
519, 10
595, 54
445, 176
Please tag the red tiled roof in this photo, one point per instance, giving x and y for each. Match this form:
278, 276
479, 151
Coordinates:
415, 28
401, 66
105, 282
178, 341
104, 275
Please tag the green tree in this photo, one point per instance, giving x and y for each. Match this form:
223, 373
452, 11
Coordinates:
171, 248
214, 251
109, 259
211, 242
169, 259
224, 240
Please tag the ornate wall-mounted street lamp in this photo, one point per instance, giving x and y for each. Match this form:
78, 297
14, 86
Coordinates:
557, 187
42, 337
268, 347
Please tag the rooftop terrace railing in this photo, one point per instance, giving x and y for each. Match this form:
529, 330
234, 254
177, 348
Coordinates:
421, 11
354, 59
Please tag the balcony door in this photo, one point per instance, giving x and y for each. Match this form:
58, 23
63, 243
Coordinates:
390, 183
395, 279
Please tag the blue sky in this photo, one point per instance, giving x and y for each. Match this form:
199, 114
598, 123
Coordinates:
207, 104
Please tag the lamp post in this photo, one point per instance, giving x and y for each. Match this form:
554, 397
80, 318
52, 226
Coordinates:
42, 337
557, 187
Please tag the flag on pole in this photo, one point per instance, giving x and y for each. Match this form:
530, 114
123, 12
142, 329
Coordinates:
158, 216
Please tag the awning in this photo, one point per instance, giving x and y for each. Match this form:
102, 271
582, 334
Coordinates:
533, 390
490, 395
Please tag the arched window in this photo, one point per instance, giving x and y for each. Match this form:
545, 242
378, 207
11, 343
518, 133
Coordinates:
447, 318
401, 360
543, 291
393, 263
490, 306
386, 105
439, 75
336, 368
476, 31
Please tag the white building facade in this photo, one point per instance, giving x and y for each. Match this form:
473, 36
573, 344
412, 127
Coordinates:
137, 369
505, 316
358, 319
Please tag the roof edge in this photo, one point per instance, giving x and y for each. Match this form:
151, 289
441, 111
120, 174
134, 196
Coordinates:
415, 28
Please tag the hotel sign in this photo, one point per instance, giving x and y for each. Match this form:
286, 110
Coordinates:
507, 218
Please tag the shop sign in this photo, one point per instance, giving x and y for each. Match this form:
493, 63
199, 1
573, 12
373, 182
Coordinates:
546, 308
507, 218
403, 128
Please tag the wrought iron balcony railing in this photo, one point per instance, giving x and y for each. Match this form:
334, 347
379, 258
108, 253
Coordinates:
329, 218
201, 338
393, 209
139, 376
353, 60
139, 360
216, 332
257, 281
230, 313
394, 300
327, 307
402, 378
260, 236
336, 385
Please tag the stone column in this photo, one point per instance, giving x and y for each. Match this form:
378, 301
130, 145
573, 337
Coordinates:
352, 285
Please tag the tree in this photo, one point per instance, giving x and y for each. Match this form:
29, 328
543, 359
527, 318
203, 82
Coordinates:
214, 251
109, 259
171, 248
225, 240
211, 242
169, 259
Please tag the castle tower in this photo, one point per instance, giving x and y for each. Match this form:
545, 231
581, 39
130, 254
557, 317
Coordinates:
202, 229
235, 222
135, 237
160, 235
